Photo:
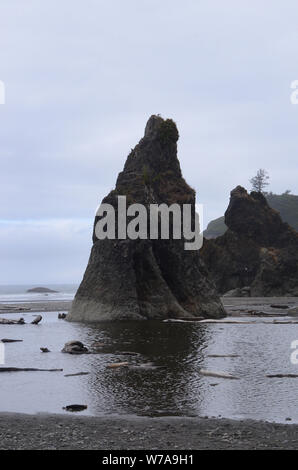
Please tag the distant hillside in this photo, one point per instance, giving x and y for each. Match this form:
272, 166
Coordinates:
285, 204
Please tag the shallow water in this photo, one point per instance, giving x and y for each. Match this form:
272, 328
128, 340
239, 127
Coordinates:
173, 388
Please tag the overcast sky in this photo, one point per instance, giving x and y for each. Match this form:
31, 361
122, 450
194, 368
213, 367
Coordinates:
83, 76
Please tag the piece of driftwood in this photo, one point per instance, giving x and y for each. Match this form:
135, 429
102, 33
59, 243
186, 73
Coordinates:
7, 340
223, 355
77, 373
12, 307
36, 320
149, 366
282, 306
27, 369
115, 365
184, 319
223, 375
8, 321
281, 376
232, 322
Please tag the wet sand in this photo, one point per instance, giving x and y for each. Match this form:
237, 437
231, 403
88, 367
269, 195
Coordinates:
45, 306
20, 431
235, 306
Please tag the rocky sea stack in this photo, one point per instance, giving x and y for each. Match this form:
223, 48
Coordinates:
258, 254
147, 279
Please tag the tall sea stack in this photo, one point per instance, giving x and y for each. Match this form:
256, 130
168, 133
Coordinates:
147, 279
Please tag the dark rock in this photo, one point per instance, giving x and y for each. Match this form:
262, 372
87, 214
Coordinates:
62, 316
36, 320
147, 279
45, 350
74, 347
75, 408
258, 250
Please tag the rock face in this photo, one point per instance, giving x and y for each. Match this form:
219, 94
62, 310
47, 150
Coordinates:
147, 279
258, 255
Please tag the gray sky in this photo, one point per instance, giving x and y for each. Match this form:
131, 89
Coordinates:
82, 78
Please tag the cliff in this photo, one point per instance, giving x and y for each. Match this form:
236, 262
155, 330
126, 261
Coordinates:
258, 250
286, 204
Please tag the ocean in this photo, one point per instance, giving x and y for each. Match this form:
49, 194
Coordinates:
18, 293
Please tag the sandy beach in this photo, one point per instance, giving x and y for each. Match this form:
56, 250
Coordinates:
234, 306
41, 432
45, 306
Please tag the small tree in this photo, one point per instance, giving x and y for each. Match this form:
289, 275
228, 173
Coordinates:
260, 181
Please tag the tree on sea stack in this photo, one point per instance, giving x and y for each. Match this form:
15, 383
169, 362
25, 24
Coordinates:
146, 277
260, 181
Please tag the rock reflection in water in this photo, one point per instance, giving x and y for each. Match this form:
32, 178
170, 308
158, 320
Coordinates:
164, 388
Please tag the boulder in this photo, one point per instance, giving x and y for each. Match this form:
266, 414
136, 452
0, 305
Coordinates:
36, 320
147, 278
74, 347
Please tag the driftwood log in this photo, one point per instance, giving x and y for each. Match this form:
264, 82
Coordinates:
282, 376
6, 321
223, 375
7, 340
76, 374
27, 369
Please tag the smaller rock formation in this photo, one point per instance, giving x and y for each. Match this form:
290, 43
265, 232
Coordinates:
258, 254
41, 290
